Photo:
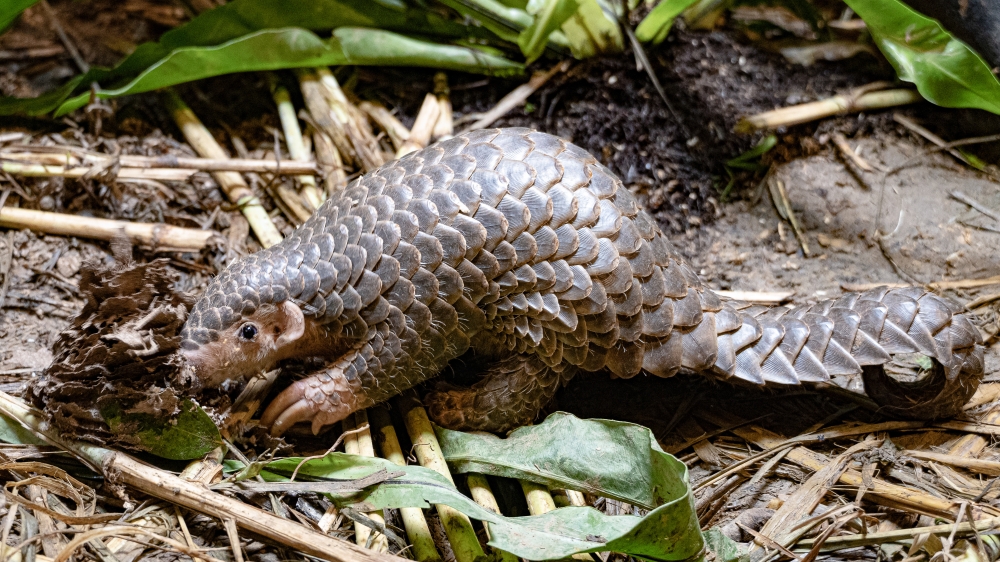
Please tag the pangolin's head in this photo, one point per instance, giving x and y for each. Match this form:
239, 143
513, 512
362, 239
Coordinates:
245, 323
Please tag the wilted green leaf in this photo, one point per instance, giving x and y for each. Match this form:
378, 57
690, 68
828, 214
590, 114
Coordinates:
602, 457
549, 16
945, 70
10, 9
189, 436
655, 27
668, 532
724, 548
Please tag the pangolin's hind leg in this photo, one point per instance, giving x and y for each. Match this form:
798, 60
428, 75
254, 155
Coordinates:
511, 393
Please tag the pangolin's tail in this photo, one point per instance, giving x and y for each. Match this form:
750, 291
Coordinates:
849, 341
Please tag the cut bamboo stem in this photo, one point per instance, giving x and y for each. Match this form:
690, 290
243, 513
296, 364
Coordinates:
232, 183
293, 140
128, 471
167, 162
359, 442
445, 125
423, 126
158, 236
414, 522
323, 115
393, 127
540, 501
457, 525
328, 158
482, 494
837, 105
355, 124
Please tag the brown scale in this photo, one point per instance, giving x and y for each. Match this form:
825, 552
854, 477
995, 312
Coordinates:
524, 248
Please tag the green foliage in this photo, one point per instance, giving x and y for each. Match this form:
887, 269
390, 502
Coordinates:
549, 15
14, 433
944, 69
724, 548
655, 27
611, 459
748, 161
10, 9
191, 435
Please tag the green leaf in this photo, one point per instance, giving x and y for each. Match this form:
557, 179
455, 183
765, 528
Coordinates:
10, 9
655, 27
591, 31
14, 433
759, 149
277, 49
191, 435
616, 459
945, 70
549, 16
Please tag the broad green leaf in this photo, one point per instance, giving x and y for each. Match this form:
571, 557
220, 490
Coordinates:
14, 433
668, 532
10, 9
506, 22
549, 15
655, 27
602, 457
590, 31
945, 70
189, 436
277, 49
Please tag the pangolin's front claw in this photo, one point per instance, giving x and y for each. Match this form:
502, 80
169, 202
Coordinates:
323, 399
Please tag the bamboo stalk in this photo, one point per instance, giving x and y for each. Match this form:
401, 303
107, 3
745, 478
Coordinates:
482, 494
128, 471
159, 236
445, 125
423, 126
457, 525
991, 468
359, 442
232, 183
540, 501
329, 160
836, 105
393, 127
166, 162
293, 140
414, 522
323, 115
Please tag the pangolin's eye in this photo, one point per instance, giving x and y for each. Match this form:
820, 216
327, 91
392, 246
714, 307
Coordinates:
248, 332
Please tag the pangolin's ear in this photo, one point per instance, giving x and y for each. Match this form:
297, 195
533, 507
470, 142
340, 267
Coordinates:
292, 323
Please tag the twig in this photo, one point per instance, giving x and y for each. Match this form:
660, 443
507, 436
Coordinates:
851, 541
423, 126
758, 297
960, 196
414, 521
640, 55
124, 174
923, 132
780, 197
840, 141
516, 97
990, 468
980, 301
34, 155
66, 41
457, 525
836, 105
124, 469
159, 236
232, 183
6, 261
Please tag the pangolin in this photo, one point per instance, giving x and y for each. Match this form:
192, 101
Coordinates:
524, 249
